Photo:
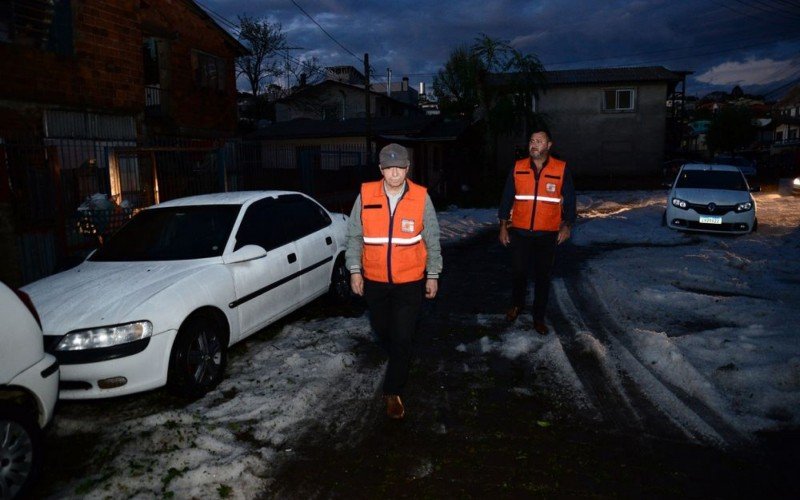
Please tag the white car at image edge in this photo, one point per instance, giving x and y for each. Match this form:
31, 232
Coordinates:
162, 300
711, 198
28, 393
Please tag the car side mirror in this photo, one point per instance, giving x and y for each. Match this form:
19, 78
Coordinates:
244, 254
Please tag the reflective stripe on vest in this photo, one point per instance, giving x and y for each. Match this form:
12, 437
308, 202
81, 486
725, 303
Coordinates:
542, 198
393, 251
396, 241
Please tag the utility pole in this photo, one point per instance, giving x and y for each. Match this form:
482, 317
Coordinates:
368, 156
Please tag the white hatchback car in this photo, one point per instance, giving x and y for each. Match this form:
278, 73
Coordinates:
164, 298
28, 393
711, 198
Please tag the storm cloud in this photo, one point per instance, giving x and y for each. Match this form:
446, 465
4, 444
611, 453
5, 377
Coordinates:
756, 45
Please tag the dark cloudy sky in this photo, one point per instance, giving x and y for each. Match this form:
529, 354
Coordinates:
751, 43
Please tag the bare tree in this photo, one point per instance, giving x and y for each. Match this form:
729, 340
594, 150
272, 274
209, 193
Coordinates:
265, 40
308, 72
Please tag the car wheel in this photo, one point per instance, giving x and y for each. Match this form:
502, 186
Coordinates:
339, 292
755, 225
664, 218
198, 359
20, 450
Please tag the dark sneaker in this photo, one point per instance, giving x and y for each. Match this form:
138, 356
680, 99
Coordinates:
511, 314
394, 407
540, 327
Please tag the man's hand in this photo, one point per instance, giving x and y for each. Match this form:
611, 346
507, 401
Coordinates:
563, 234
504, 238
357, 283
431, 287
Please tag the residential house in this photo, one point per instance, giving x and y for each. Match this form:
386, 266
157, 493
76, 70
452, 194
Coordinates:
398, 90
336, 100
330, 157
86, 79
605, 122
346, 74
785, 150
609, 122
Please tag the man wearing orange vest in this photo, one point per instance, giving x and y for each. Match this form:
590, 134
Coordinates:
394, 258
536, 213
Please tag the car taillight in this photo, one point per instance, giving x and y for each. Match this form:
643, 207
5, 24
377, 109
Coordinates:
29, 304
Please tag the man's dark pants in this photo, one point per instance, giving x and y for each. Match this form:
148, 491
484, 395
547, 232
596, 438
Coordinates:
393, 312
532, 252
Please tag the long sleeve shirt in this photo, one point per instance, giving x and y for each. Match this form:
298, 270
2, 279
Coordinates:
430, 235
568, 208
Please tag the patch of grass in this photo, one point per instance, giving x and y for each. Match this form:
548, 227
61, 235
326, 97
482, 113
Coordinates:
224, 491
86, 486
172, 473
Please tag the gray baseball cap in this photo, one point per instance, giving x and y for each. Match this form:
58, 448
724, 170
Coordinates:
393, 155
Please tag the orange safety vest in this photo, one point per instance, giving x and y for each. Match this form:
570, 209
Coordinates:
394, 251
537, 202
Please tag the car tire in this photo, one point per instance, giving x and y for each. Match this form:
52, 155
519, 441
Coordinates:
339, 292
21, 450
664, 218
198, 358
755, 225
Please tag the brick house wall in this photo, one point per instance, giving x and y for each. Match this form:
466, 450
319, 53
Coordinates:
104, 70
73, 77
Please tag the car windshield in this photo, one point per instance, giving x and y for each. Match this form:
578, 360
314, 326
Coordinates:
173, 233
711, 179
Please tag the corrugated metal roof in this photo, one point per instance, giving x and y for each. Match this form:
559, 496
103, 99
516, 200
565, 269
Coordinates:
612, 75
603, 76
84, 125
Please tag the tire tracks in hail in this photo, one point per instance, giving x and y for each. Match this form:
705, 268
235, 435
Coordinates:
624, 390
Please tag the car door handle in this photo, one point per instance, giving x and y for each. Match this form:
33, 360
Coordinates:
292, 258
328, 240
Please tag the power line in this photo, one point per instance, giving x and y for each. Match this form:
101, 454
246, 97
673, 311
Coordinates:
795, 79
689, 56
767, 8
324, 31
218, 16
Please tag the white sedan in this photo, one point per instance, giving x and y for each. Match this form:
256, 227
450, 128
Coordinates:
161, 302
711, 198
28, 393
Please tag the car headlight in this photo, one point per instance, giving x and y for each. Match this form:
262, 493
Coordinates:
677, 202
796, 182
105, 336
744, 207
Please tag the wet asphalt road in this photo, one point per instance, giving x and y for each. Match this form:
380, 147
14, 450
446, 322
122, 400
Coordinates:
480, 424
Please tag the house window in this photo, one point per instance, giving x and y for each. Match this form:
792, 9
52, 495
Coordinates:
209, 71
43, 24
618, 99
156, 71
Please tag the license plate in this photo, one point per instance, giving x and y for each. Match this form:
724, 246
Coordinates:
710, 220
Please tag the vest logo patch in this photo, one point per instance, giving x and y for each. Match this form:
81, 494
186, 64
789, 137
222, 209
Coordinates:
550, 187
407, 225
